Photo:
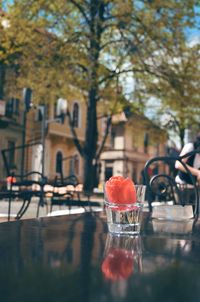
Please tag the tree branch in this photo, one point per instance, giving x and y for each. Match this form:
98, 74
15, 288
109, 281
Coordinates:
114, 74
111, 42
81, 10
108, 124
75, 138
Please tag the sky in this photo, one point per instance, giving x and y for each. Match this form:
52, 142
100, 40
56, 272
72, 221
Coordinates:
194, 33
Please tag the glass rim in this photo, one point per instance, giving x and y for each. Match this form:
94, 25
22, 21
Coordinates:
135, 185
115, 204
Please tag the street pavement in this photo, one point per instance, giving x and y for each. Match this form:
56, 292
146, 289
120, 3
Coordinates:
32, 210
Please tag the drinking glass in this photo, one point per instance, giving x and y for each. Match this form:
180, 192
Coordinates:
125, 218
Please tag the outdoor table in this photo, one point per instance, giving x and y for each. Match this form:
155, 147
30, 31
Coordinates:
63, 259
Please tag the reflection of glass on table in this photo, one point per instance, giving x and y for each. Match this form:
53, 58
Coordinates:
122, 257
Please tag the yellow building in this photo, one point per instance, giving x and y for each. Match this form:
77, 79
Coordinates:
131, 142
135, 139
60, 152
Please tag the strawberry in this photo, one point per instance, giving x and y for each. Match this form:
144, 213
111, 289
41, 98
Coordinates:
120, 190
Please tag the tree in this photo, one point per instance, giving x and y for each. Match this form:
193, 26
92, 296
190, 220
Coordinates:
172, 76
6, 55
177, 86
96, 41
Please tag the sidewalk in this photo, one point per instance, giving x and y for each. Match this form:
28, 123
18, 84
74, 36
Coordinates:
32, 210
15, 206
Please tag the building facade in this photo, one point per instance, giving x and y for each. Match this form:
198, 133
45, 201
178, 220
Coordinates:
134, 140
59, 154
50, 146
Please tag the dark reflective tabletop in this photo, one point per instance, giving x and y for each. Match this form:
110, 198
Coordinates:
73, 258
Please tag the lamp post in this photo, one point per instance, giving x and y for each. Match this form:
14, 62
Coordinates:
43, 136
27, 100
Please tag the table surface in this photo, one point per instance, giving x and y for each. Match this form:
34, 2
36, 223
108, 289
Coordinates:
74, 258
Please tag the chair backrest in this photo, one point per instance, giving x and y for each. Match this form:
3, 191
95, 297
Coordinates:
162, 186
5, 156
30, 181
66, 181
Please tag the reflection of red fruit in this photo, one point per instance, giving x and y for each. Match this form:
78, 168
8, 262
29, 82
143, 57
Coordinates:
118, 264
120, 190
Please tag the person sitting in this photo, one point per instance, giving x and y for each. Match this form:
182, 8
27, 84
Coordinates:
192, 162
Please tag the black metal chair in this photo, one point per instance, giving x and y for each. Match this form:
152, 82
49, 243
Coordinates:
25, 188
163, 187
67, 192
60, 194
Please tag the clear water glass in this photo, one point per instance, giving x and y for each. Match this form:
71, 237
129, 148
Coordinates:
126, 218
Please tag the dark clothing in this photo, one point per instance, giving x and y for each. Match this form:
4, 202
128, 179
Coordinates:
184, 175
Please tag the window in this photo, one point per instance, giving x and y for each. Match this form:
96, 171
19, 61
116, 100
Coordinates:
146, 142
108, 172
55, 110
16, 106
12, 107
76, 115
74, 165
9, 108
71, 167
59, 160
